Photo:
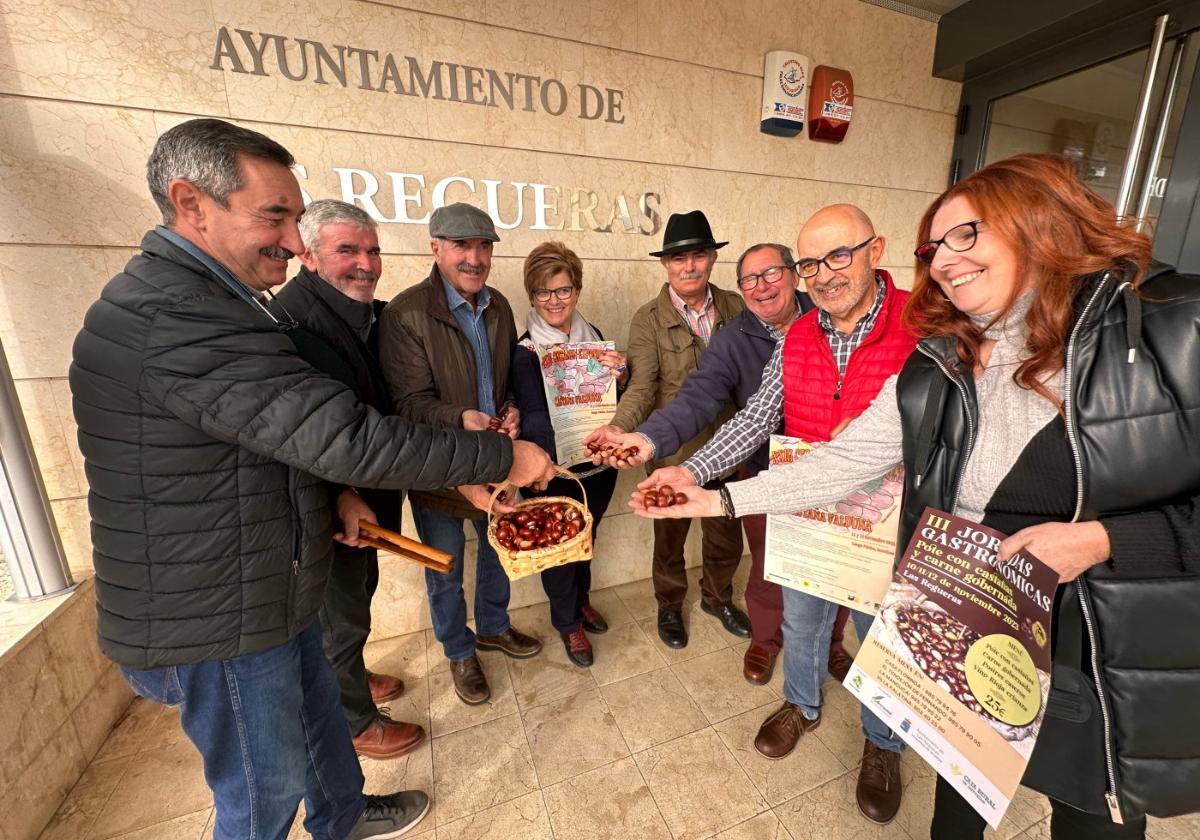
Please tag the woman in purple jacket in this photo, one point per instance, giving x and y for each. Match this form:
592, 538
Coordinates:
554, 280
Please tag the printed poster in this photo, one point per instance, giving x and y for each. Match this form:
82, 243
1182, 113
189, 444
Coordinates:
581, 394
843, 552
957, 661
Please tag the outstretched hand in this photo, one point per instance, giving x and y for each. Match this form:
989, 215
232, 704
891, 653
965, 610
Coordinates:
700, 502
678, 476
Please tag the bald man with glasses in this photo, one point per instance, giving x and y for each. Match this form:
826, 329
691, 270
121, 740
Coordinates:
827, 370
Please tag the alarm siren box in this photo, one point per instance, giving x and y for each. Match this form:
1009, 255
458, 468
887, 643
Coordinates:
830, 104
785, 93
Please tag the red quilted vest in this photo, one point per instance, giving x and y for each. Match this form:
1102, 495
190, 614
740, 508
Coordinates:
813, 404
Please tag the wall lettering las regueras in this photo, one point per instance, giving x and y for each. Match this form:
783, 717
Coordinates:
408, 198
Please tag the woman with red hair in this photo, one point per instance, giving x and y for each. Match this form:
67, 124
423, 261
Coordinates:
1054, 396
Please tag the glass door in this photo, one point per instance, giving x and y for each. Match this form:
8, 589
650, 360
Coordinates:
1090, 116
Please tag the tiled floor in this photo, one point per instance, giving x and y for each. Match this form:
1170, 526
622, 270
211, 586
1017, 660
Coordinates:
649, 743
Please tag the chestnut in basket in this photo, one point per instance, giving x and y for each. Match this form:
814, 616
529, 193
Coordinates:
538, 526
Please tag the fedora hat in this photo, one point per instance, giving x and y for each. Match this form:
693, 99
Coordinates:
687, 232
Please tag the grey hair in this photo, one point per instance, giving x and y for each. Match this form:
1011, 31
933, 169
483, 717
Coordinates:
330, 211
205, 153
785, 254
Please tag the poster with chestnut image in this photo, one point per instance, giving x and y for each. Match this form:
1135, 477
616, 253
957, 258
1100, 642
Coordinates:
843, 552
581, 394
957, 661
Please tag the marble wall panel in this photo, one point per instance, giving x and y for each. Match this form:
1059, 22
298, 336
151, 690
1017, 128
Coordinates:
97, 714
528, 126
61, 389
44, 293
273, 97
609, 23
74, 653
889, 54
32, 707
142, 55
32, 799
73, 173
74, 528
46, 432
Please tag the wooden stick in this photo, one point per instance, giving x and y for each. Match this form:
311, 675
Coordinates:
382, 538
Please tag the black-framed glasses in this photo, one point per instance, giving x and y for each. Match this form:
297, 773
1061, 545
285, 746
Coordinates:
562, 293
835, 260
770, 274
959, 238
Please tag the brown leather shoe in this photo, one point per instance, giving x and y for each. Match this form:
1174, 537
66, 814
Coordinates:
469, 682
780, 732
839, 662
593, 622
384, 687
879, 792
758, 664
579, 649
511, 642
386, 738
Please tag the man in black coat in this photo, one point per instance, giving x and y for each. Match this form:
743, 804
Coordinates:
333, 300
209, 446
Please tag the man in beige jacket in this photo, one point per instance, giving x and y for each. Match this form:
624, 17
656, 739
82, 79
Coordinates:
666, 337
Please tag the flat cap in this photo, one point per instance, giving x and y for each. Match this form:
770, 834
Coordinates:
461, 221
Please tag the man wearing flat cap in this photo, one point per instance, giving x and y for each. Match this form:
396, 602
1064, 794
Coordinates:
445, 346
666, 337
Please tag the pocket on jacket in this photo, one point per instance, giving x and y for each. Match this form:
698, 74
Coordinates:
1068, 760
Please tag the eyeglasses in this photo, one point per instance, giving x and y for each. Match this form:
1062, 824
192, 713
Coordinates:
770, 274
835, 260
959, 238
562, 293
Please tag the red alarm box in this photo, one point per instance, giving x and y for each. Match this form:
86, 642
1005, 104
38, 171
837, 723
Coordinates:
830, 103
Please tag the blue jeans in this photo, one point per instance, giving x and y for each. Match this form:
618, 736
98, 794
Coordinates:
270, 729
447, 605
807, 626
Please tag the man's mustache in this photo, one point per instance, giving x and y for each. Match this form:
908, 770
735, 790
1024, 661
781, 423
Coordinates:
276, 253
361, 274
467, 268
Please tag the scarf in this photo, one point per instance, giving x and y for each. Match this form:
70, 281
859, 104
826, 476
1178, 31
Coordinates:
541, 333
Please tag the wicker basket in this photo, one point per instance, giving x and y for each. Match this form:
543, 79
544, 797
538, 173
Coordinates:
518, 564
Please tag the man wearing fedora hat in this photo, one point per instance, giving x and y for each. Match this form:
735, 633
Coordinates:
666, 337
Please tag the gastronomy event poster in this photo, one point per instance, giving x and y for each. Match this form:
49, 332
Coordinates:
580, 392
957, 661
843, 552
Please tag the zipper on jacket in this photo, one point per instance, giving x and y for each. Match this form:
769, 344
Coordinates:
1112, 795
962, 390
837, 391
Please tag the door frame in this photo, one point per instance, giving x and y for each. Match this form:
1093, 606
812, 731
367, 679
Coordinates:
1177, 236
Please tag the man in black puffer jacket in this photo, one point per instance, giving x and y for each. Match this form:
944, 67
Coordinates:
333, 300
209, 445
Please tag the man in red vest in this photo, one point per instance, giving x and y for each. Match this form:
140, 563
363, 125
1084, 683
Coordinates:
824, 374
